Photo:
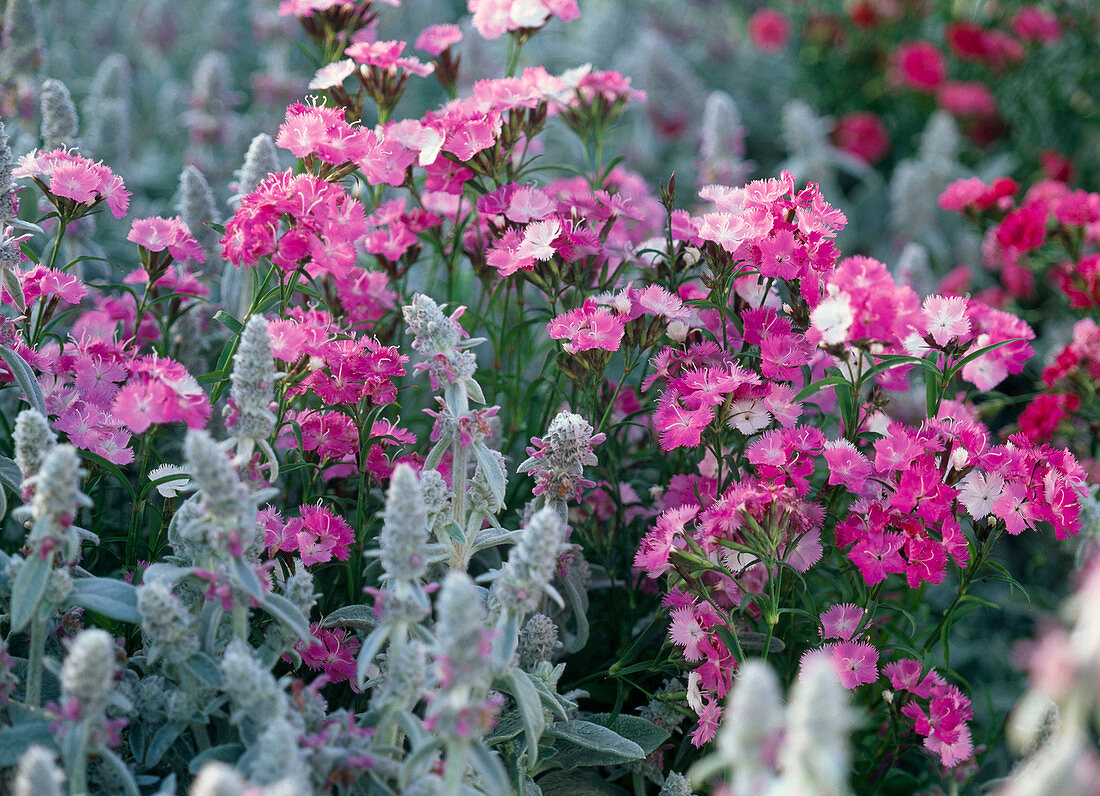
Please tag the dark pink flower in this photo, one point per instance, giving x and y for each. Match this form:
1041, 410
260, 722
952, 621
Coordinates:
769, 30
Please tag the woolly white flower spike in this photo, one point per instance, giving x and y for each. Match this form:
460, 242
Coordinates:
252, 394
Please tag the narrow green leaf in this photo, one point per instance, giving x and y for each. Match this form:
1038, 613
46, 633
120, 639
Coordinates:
228, 321
10, 474
289, 614
529, 705
111, 598
25, 378
28, 589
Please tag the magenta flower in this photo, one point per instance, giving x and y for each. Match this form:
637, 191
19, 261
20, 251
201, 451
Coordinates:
320, 535
841, 621
157, 234
333, 651
856, 662
588, 327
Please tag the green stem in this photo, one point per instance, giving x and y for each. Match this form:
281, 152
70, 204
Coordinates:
240, 620
62, 225
78, 775
33, 694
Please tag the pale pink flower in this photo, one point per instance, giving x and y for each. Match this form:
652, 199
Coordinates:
947, 318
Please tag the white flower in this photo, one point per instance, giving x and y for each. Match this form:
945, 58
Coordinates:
833, 318
332, 75
173, 487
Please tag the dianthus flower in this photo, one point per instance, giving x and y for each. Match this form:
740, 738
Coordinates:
769, 30
437, 38
919, 65
588, 327
63, 175
313, 130
494, 18
333, 651
158, 234
296, 220
317, 535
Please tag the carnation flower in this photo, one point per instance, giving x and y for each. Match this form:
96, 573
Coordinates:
769, 30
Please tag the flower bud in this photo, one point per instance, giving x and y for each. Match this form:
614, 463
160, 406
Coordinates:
33, 439
59, 122
252, 387
404, 535
38, 774
88, 672
260, 161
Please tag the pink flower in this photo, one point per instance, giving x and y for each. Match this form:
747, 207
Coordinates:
856, 662
586, 328
494, 18
688, 632
1033, 23
877, 556
321, 535
847, 466
386, 55
863, 134
966, 99
74, 181
841, 621
71, 176
42, 281
919, 65
437, 38
905, 675
658, 544
769, 30
334, 651
678, 426
709, 717
157, 234
140, 404
297, 221
946, 318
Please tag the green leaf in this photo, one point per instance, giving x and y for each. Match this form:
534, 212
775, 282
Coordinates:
584, 743
110, 467
203, 668
228, 321
579, 783
15, 740
644, 733
226, 753
358, 617
247, 578
371, 645
488, 763
25, 377
122, 771
289, 615
980, 352
163, 739
15, 290
10, 474
28, 589
529, 705
491, 470
819, 385
111, 598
